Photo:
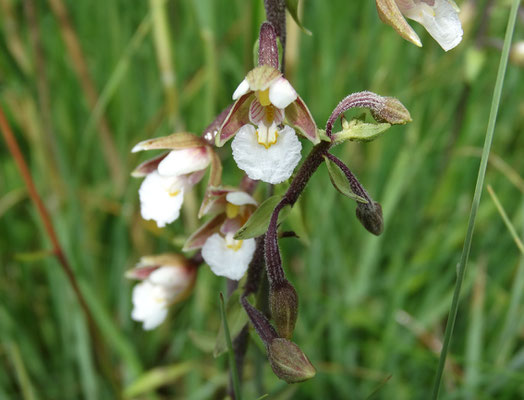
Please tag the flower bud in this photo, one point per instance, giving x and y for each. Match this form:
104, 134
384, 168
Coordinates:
283, 303
288, 362
370, 216
391, 111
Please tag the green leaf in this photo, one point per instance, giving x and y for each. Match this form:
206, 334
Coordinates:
236, 319
359, 131
340, 182
292, 6
257, 224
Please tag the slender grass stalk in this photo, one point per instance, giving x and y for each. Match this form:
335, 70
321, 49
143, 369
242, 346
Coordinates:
14, 149
230, 352
510, 330
505, 218
476, 197
163, 50
112, 158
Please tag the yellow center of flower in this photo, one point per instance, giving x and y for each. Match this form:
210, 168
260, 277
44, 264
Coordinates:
263, 97
173, 193
232, 210
267, 133
233, 244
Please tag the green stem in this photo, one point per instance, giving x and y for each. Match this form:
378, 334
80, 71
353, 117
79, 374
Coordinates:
476, 197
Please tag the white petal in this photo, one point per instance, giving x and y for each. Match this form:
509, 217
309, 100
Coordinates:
154, 319
159, 199
146, 307
440, 20
272, 165
241, 90
180, 162
281, 93
240, 198
169, 276
225, 261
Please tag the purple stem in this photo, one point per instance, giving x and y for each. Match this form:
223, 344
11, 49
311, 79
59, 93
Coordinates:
361, 99
355, 185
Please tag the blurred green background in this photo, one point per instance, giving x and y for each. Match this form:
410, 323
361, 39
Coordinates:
372, 310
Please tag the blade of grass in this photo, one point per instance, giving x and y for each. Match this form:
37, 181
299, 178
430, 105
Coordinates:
231, 354
476, 197
510, 331
506, 220
22, 376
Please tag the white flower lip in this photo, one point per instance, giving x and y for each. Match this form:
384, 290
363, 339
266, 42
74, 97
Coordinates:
440, 20
281, 93
241, 90
152, 297
185, 161
225, 261
274, 164
160, 200
240, 199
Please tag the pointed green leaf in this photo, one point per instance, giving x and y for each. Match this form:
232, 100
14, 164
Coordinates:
257, 224
292, 6
340, 182
359, 131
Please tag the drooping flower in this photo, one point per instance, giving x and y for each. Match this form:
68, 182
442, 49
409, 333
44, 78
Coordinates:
439, 17
165, 279
266, 111
169, 175
225, 255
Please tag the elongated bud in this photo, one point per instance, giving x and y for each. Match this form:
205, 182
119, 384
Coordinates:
370, 216
267, 48
392, 111
383, 109
283, 303
288, 362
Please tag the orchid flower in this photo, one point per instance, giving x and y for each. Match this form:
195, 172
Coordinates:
266, 112
439, 17
225, 255
165, 279
167, 177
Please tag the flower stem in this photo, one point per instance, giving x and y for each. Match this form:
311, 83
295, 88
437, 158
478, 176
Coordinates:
476, 197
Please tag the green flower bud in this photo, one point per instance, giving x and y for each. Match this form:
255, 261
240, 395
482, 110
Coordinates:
283, 303
391, 111
288, 362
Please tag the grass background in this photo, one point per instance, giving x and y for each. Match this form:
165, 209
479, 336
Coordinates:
373, 310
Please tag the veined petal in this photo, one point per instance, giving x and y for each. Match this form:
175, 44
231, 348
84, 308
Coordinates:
270, 114
298, 115
241, 90
181, 162
160, 198
237, 117
240, 198
281, 93
148, 166
199, 237
440, 20
274, 164
225, 261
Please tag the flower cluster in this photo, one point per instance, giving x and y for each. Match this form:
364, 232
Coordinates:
239, 238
